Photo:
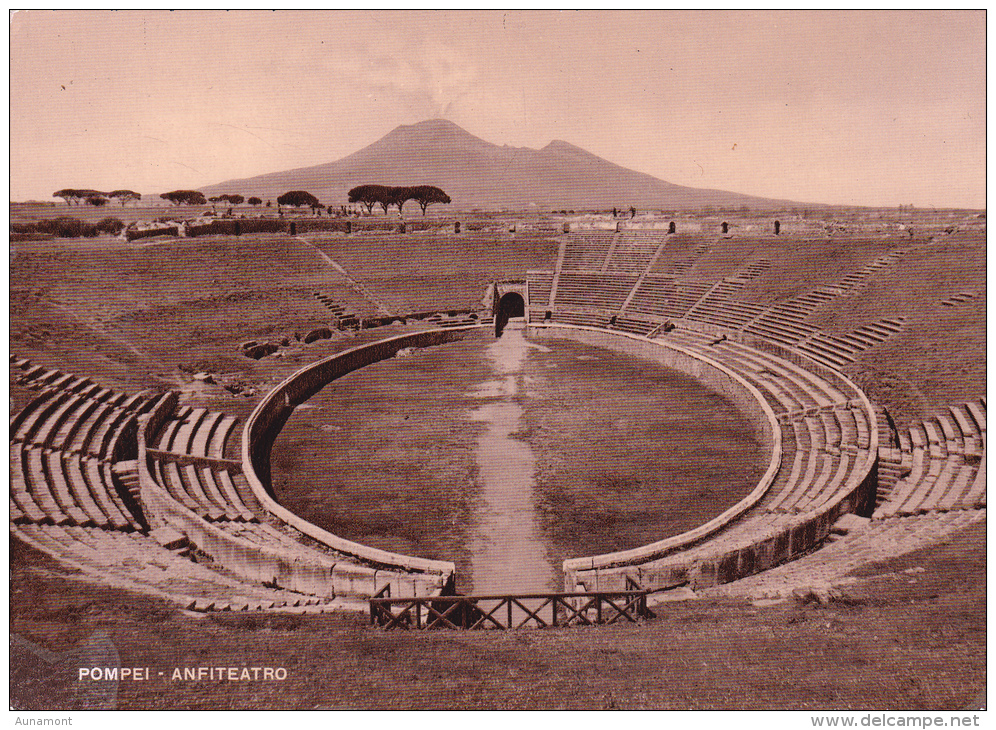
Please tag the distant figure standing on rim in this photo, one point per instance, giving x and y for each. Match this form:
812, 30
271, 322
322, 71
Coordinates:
632, 212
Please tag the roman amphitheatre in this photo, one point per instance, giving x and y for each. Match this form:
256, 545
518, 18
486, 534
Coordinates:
762, 426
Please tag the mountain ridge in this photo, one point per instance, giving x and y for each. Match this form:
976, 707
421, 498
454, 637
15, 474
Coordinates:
479, 174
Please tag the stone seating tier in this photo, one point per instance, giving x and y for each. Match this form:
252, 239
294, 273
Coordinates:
139, 563
941, 464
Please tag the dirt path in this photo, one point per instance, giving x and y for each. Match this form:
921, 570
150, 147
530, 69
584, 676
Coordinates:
356, 286
508, 554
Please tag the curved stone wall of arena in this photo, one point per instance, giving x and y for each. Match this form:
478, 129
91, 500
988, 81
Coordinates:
861, 494
270, 415
304, 571
245, 559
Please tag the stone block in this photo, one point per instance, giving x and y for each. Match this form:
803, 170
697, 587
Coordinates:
782, 549
169, 538
251, 563
425, 584
748, 561
728, 567
703, 574
665, 577
403, 585
611, 580
769, 551
354, 580
309, 577
385, 579
582, 580
803, 537
322, 333
257, 352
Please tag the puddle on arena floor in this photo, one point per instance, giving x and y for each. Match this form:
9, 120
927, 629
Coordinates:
507, 551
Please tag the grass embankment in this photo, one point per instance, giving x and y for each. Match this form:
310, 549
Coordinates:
418, 272
940, 357
912, 641
937, 360
132, 313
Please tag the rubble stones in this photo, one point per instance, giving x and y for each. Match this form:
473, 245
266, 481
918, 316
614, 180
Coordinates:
322, 333
258, 352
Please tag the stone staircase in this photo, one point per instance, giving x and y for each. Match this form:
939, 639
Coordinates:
343, 318
126, 473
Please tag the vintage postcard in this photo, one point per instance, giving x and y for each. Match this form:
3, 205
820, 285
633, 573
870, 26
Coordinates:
498, 360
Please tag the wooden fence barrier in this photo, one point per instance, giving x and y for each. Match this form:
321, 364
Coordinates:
539, 610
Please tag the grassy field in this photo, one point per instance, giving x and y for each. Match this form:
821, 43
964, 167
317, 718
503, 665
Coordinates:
384, 455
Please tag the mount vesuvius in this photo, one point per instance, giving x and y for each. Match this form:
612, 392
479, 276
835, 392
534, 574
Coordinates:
476, 173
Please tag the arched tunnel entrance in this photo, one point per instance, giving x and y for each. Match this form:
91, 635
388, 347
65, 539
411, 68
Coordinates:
510, 305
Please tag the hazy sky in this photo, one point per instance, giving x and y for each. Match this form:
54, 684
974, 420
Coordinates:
868, 108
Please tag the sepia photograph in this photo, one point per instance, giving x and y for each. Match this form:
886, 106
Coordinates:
498, 360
